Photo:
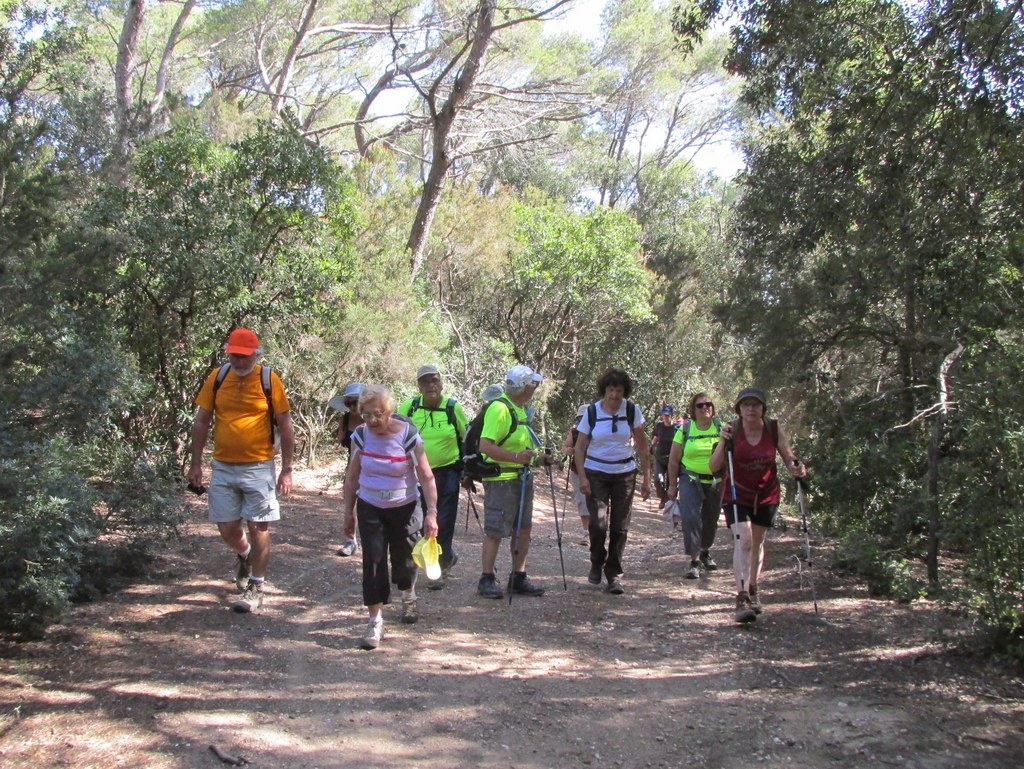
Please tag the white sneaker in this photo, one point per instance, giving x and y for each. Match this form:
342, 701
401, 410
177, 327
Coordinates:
348, 547
374, 634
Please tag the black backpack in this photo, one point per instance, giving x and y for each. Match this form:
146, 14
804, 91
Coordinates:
474, 464
593, 418
264, 382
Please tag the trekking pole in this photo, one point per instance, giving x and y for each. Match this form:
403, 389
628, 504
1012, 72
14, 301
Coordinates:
735, 508
472, 506
519, 527
558, 529
554, 504
801, 491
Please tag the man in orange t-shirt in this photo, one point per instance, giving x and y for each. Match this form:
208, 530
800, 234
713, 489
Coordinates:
244, 483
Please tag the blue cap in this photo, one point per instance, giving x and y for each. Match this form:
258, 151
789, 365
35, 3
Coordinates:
668, 410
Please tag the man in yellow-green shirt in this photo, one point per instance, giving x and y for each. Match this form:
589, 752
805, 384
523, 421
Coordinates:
441, 423
244, 483
505, 439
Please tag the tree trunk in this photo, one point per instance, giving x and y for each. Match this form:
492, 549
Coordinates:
934, 447
124, 69
156, 103
443, 120
288, 65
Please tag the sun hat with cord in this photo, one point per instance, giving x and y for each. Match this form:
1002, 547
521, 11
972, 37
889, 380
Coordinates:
751, 392
492, 392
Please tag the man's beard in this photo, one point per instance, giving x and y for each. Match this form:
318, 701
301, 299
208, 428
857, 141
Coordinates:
240, 372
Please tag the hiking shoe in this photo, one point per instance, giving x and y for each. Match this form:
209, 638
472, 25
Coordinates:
694, 571
488, 587
594, 578
436, 584
755, 601
677, 523
348, 547
708, 561
243, 572
410, 613
374, 634
447, 570
614, 587
521, 585
744, 611
251, 598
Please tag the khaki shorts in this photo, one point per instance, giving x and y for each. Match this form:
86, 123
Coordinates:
501, 506
247, 491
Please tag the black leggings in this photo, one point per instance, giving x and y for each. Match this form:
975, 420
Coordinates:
383, 530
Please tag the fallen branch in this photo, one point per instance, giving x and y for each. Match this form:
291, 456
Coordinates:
227, 758
961, 737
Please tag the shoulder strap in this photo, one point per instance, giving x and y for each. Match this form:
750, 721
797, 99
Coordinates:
265, 381
513, 417
449, 411
630, 413
718, 423
359, 437
686, 431
592, 416
409, 440
413, 406
220, 380
773, 430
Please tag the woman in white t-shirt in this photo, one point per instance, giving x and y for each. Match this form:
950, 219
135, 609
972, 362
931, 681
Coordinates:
609, 432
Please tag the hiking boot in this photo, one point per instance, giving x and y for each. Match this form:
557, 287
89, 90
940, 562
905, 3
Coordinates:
521, 585
677, 523
755, 601
488, 587
374, 634
744, 611
251, 598
348, 547
446, 570
708, 561
594, 578
410, 613
694, 571
614, 587
243, 572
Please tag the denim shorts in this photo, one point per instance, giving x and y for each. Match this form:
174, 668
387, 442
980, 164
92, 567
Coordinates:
244, 491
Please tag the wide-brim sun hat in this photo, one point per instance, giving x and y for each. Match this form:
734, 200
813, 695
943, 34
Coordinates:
750, 392
353, 390
492, 392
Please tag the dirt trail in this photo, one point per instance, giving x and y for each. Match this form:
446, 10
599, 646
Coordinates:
659, 677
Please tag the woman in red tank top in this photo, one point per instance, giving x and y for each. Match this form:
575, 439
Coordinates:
751, 490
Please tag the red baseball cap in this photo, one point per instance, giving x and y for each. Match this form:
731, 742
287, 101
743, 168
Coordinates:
242, 341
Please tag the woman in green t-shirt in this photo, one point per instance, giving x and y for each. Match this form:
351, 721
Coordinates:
699, 493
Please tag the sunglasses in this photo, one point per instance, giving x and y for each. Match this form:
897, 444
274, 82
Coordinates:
704, 405
352, 404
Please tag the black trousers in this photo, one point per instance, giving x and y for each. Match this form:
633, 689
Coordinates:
610, 503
